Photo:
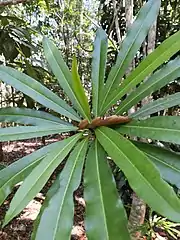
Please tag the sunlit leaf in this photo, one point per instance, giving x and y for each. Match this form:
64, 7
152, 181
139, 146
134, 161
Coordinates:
79, 90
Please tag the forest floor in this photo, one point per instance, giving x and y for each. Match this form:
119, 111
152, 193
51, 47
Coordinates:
21, 227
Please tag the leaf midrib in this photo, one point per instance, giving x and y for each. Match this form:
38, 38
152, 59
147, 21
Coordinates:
100, 189
154, 189
45, 169
144, 109
112, 82
74, 96
66, 189
147, 89
44, 96
132, 83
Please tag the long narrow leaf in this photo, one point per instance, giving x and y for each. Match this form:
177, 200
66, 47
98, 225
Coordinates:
136, 35
167, 162
17, 133
163, 128
39, 176
98, 69
20, 169
159, 79
142, 175
158, 105
79, 90
160, 55
59, 199
105, 214
62, 73
29, 116
37, 91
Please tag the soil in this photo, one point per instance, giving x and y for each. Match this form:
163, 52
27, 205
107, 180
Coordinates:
20, 228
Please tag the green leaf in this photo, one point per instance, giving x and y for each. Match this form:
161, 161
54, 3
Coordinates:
168, 73
105, 215
142, 175
160, 55
79, 90
62, 73
135, 36
39, 176
99, 58
17, 133
37, 91
163, 128
158, 105
29, 116
20, 169
166, 161
59, 200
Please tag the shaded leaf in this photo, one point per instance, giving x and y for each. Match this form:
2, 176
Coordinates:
20, 169
37, 91
59, 200
135, 36
99, 58
39, 176
62, 73
17, 133
142, 175
29, 116
163, 128
160, 55
157, 105
105, 215
167, 162
167, 74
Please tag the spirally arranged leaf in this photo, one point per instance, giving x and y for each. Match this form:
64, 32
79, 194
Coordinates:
20, 169
157, 105
78, 88
167, 162
39, 176
29, 116
143, 177
159, 79
62, 73
17, 133
163, 128
99, 58
135, 36
160, 55
37, 91
59, 199
105, 215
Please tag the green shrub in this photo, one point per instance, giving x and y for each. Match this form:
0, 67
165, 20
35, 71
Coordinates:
148, 168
